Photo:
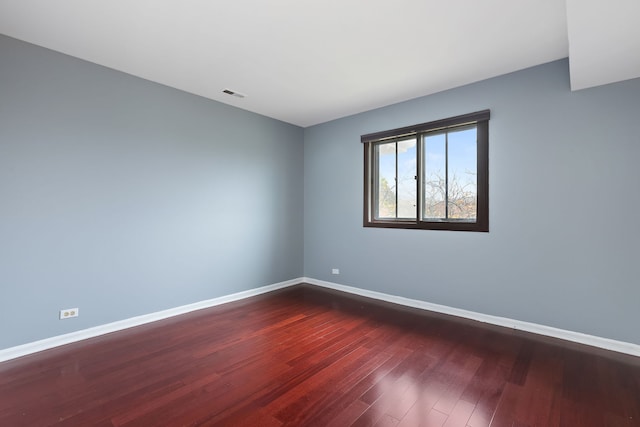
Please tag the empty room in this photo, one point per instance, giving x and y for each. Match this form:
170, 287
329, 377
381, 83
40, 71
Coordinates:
339, 213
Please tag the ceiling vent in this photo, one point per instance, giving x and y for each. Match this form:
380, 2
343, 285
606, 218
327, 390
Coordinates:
233, 93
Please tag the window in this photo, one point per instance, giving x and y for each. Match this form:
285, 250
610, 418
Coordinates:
432, 176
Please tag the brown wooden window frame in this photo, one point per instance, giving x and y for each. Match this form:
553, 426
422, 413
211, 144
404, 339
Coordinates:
481, 224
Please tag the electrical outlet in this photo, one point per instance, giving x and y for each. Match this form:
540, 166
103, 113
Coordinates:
68, 313
335, 271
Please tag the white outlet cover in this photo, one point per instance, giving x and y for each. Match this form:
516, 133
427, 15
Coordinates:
335, 271
68, 313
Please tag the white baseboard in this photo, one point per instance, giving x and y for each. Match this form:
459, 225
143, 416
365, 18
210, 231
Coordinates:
45, 344
594, 341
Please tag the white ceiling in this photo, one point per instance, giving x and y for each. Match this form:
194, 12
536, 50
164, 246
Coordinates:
307, 62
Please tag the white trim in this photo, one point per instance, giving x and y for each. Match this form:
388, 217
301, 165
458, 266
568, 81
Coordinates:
47, 343
606, 343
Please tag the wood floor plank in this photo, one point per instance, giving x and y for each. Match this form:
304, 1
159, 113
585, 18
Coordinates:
460, 414
313, 401
348, 415
350, 402
306, 356
458, 382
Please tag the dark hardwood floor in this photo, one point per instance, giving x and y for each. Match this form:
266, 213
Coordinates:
306, 356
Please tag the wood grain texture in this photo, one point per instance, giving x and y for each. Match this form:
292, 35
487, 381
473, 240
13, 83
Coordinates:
306, 356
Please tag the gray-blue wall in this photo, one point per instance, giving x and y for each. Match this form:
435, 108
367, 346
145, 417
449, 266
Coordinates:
563, 247
123, 197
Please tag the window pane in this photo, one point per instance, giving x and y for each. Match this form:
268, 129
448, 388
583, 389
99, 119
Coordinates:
463, 174
407, 179
386, 177
434, 172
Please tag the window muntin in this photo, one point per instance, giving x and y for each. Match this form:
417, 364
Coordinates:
431, 176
